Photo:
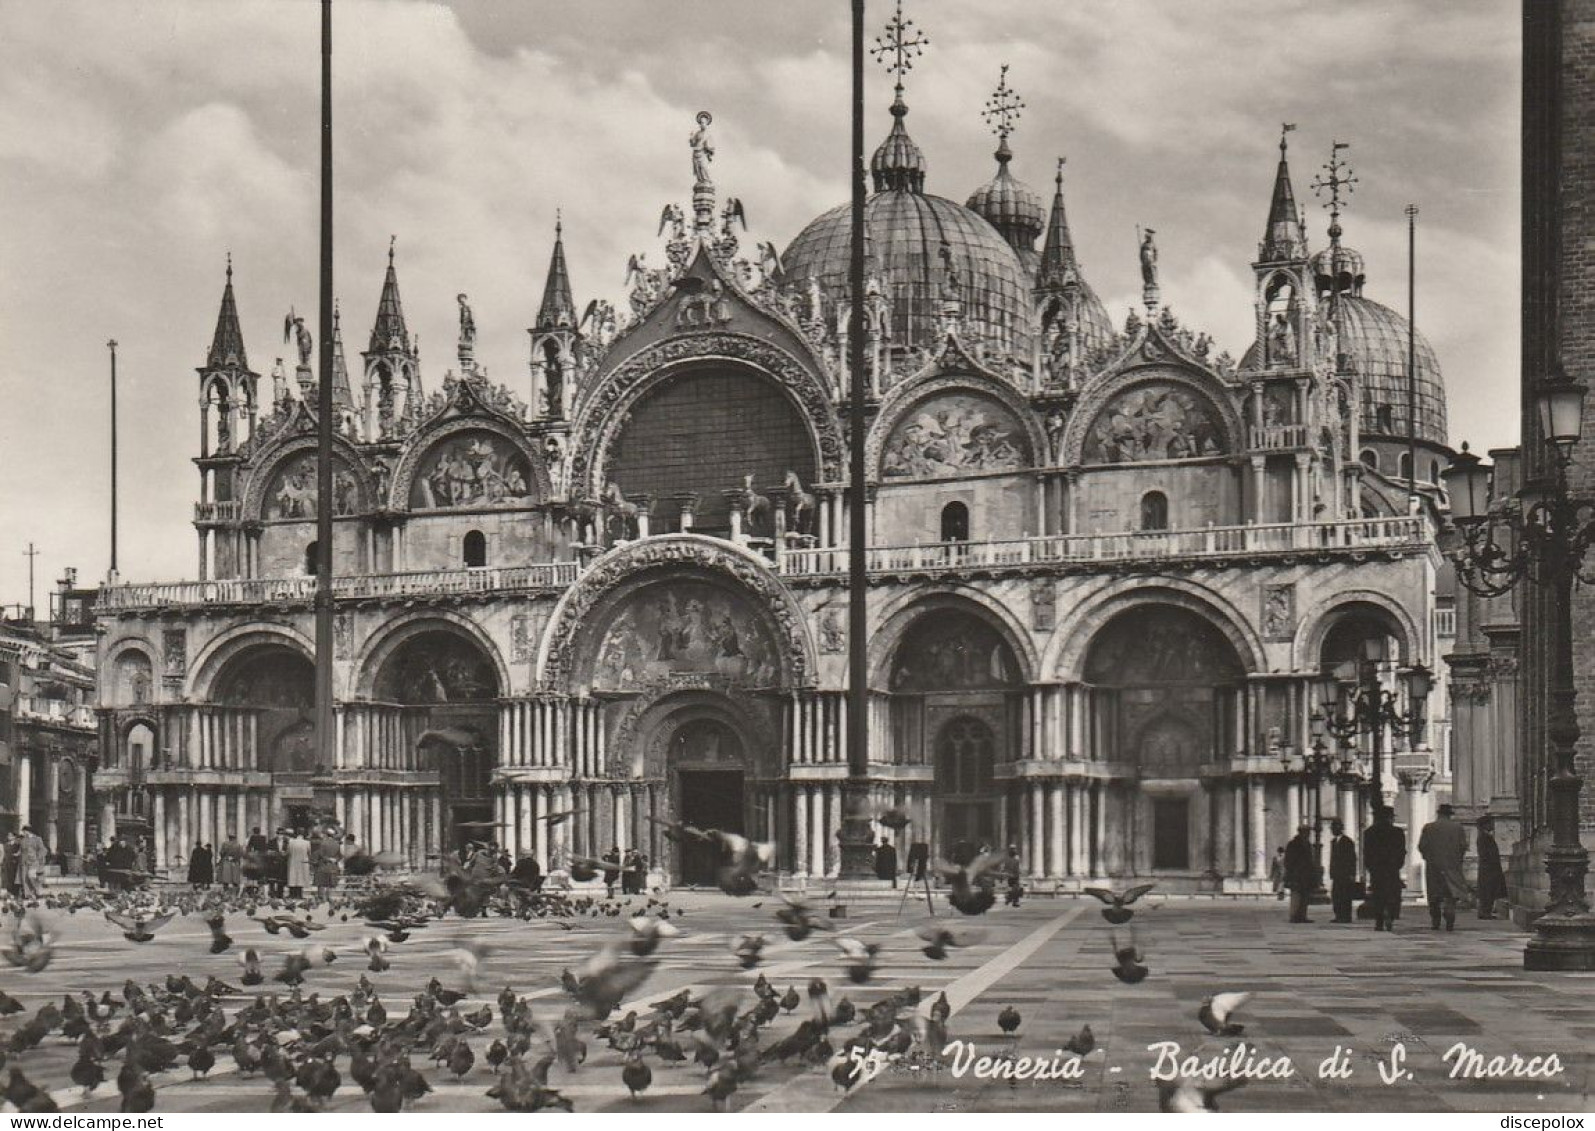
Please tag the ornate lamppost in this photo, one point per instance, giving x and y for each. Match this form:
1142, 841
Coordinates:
1542, 533
1352, 701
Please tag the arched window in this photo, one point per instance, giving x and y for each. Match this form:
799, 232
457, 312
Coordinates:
1370, 459
965, 758
475, 549
1405, 464
1386, 416
955, 523
310, 559
1154, 511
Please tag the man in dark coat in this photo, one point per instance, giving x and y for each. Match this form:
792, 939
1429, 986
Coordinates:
1342, 870
886, 862
1492, 879
1301, 874
1443, 844
1384, 851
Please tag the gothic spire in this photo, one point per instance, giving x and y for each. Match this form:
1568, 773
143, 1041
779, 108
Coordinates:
558, 309
342, 395
227, 345
1058, 263
1283, 239
389, 332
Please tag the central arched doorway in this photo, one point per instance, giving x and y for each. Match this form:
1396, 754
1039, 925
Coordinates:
708, 772
436, 692
956, 686
1164, 681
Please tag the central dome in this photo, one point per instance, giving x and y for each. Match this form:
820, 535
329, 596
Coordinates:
907, 229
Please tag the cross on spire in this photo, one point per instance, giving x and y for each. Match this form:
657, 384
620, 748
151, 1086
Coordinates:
1336, 180
1003, 108
902, 42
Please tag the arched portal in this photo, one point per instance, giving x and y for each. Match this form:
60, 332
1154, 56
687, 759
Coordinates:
279, 682
956, 688
1163, 683
435, 694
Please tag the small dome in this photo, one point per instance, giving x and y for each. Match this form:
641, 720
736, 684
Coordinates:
898, 162
1373, 340
1010, 206
1338, 269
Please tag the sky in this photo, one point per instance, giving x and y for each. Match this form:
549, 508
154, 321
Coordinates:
141, 141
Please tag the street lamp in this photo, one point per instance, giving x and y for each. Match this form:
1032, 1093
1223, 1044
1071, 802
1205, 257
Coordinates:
1352, 702
1542, 533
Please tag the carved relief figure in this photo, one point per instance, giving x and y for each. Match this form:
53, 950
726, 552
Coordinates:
685, 628
954, 434
1154, 422
1281, 341
474, 470
293, 492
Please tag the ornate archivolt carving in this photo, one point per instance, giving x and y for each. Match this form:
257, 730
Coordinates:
687, 553
282, 481
604, 413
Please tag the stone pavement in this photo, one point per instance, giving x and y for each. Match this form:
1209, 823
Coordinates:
1314, 987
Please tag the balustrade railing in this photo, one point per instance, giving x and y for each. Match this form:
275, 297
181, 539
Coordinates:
230, 511
1274, 436
55, 710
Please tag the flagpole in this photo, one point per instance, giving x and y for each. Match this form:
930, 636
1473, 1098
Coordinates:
111, 345
324, 421
1412, 352
854, 836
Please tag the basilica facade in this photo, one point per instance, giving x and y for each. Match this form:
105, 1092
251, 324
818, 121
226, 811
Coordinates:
1106, 560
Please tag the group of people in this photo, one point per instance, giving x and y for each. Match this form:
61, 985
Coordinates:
22, 860
288, 862
629, 869
1443, 843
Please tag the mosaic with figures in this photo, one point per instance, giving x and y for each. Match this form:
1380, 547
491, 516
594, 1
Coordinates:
677, 628
952, 435
478, 469
1154, 422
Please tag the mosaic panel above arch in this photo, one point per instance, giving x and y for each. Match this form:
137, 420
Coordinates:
953, 650
1154, 420
291, 493
437, 666
472, 468
1155, 644
682, 626
955, 433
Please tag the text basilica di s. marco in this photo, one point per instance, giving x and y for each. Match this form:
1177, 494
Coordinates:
1107, 561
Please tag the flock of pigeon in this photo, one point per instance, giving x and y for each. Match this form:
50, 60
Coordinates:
305, 1045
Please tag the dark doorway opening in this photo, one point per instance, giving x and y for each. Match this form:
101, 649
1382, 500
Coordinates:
710, 799
472, 820
1171, 832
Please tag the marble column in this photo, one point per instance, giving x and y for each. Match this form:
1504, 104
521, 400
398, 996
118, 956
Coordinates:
158, 849
1077, 830
800, 829
817, 823
1095, 865
1058, 863
52, 792
1256, 836
24, 791
107, 821
1238, 811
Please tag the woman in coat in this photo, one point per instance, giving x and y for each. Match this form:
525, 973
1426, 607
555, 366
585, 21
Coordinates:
325, 857
201, 866
298, 856
230, 863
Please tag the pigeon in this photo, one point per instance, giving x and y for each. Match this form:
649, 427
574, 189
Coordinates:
9, 1004
972, 889
468, 956
748, 949
1118, 910
1189, 1096
461, 1059
748, 858
220, 940
858, 959
1128, 959
250, 961
32, 945
797, 919
1216, 1010
138, 928
375, 948
646, 933
938, 939
1008, 1020
635, 1074
1082, 1042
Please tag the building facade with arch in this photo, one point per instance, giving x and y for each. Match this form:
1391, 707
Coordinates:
1105, 561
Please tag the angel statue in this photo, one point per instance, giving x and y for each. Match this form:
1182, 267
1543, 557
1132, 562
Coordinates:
731, 215
702, 150
294, 326
769, 262
467, 322
671, 217
1148, 259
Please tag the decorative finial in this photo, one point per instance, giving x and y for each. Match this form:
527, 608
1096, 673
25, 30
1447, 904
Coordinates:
1284, 131
903, 43
1003, 108
229, 266
111, 345
1337, 181
1062, 161
559, 222
391, 241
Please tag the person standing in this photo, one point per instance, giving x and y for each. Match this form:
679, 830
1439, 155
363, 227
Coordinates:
11, 865
230, 863
297, 859
1276, 873
886, 862
201, 867
1384, 851
1011, 867
1492, 879
611, 870
1442, 844
33, 857
1301, 873
324, 863
1342, 870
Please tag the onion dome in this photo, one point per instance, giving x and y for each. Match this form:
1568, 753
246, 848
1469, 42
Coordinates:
908, 228
1010, 206
1338, 269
